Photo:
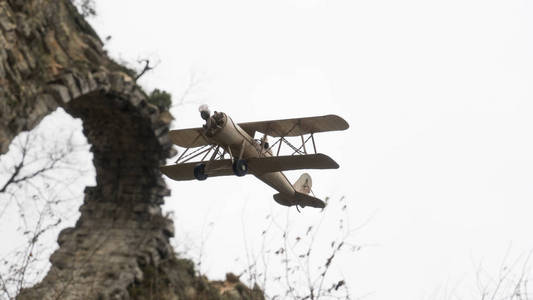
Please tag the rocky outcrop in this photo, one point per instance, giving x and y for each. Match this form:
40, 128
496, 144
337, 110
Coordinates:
119, 248
42, 43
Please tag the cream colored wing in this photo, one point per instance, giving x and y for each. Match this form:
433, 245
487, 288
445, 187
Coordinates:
188, 138
185, 171
290, 162
296, 127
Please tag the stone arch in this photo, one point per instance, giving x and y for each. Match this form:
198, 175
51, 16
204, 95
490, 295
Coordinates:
49, 57
121, 227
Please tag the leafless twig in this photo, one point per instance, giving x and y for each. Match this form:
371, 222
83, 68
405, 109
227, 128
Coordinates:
147, 67
289, 271
36, 185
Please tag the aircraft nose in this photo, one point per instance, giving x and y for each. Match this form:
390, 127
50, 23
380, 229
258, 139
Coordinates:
219, 118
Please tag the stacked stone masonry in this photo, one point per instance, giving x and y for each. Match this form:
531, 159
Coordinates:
50, 57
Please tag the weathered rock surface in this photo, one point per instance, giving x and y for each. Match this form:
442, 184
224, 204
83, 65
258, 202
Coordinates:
119, 248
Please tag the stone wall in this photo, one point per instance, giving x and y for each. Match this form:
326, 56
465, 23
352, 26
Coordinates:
121, 228
119, 248
41, 42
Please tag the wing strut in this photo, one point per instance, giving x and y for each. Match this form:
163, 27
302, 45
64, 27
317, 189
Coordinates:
313, 139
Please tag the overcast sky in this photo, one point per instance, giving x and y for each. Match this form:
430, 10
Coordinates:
438, 96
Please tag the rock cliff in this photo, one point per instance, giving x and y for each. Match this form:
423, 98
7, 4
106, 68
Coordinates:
119, 249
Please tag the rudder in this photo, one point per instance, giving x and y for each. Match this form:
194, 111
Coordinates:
303, 184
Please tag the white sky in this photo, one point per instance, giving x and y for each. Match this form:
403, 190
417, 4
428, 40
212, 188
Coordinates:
438, 95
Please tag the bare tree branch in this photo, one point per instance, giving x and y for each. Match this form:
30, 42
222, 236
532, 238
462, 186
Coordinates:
294, 275
145, 69
13, 178
38, 183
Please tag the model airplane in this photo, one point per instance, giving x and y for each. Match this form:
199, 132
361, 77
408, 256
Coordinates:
221, 137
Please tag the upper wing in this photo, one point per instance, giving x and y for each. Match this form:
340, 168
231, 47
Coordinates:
296, 127
291, 162
188, 138
185, 171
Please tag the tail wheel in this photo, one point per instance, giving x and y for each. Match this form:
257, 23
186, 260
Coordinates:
240, 167
199, 172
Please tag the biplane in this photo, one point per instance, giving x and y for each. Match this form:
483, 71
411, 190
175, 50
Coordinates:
227, 148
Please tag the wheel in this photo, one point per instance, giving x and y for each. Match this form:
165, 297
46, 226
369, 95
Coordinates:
199, 172
240, 167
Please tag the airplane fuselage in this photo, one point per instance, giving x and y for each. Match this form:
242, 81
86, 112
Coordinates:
221, 130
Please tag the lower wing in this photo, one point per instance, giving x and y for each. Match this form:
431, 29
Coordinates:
186, 171
260, 165
291, 162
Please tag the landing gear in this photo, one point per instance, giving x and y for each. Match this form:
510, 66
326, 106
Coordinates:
199, 172
240, 167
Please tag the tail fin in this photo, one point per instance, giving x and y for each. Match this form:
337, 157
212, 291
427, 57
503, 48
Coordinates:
303, 184
301, 197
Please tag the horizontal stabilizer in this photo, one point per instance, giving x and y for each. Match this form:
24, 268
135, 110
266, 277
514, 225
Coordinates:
291, 162
188, 138
185, 171
297, 126
300, 199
